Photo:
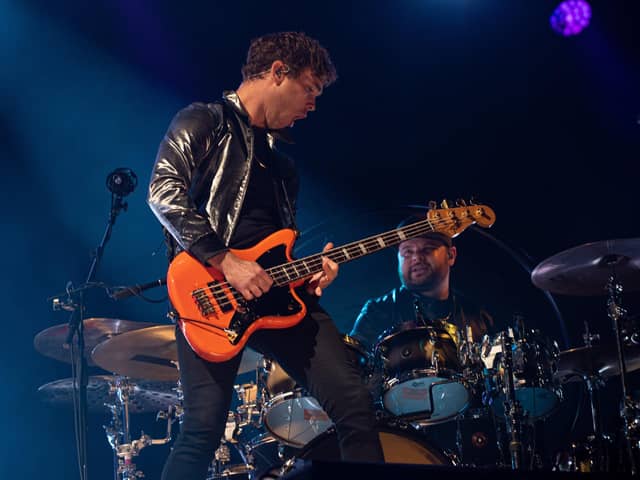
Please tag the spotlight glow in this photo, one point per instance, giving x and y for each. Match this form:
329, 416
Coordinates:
571, 17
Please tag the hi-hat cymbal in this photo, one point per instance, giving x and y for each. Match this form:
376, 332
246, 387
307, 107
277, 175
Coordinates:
586, 269
596, 360
51, 341
151, 353
145, 396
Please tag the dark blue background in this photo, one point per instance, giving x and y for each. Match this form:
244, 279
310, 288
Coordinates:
435, 99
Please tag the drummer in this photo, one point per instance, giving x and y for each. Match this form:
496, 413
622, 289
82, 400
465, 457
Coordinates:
425, 296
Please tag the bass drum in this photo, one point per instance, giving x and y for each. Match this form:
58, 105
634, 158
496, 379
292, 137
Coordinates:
398, 446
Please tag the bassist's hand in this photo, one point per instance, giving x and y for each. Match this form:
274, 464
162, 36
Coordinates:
246, 276
321, 280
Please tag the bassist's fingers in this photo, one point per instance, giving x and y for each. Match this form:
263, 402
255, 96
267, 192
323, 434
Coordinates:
246, 293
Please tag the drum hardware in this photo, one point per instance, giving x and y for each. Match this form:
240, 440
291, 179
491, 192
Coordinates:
118, 433
469, 351
514, 412
223, 465
593, 365
630, 410
534, 360
602, 268
592, 455
248, 416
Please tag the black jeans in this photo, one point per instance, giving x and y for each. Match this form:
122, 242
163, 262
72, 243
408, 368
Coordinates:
315, 356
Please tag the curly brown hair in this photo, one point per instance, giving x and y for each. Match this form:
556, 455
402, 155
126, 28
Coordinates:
297, 50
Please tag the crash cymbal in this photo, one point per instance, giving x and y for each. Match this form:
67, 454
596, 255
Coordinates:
51, 341
145, 396
148, 353
151, 353
585, 270
600, 360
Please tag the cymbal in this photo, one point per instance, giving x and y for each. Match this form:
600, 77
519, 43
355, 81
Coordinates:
585, 269
147, 396
51, 341
151, 353
601, 360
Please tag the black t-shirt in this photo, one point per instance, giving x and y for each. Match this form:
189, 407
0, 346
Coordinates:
259, 215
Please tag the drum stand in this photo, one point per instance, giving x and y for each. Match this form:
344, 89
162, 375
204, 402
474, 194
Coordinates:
513, 411
119, 436
630, 411
248, 408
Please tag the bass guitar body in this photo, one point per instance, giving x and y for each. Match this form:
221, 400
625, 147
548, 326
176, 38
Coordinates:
214, 318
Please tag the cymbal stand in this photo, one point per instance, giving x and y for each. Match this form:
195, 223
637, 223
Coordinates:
118, 434
513, 410
630, 411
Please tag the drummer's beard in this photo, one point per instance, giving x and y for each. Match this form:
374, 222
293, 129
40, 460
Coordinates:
425, 281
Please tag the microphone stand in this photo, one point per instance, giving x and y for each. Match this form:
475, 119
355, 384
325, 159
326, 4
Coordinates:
76, 330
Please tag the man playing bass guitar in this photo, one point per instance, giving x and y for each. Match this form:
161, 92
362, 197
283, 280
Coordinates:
219, 186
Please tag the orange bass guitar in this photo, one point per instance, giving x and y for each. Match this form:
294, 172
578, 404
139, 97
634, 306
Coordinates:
217, 321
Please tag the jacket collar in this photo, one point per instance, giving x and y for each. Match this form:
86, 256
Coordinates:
233, 100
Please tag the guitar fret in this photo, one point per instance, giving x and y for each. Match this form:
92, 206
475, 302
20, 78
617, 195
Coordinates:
284, 269
338, 256
381, 242
293, 265
346, 253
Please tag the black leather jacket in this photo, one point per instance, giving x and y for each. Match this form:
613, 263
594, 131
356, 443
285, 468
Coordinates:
202, 172
401, 306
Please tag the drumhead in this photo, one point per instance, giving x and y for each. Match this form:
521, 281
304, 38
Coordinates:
426, 398
295, 419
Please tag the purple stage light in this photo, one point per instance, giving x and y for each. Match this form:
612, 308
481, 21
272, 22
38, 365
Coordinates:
571, 17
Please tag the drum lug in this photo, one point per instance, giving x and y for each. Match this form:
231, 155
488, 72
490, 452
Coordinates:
453, 457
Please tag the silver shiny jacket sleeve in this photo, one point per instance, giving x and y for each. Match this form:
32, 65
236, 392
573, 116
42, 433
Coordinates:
186, 144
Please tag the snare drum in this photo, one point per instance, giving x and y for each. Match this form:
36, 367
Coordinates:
536, 386
422, 374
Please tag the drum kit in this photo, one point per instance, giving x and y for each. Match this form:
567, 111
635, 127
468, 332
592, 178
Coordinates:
490, 392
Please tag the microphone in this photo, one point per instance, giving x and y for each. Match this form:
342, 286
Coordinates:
122, 181
132, 290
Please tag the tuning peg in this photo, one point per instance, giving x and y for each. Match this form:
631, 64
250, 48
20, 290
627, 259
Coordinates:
472, 200
461, 202
432, 205
444, 203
